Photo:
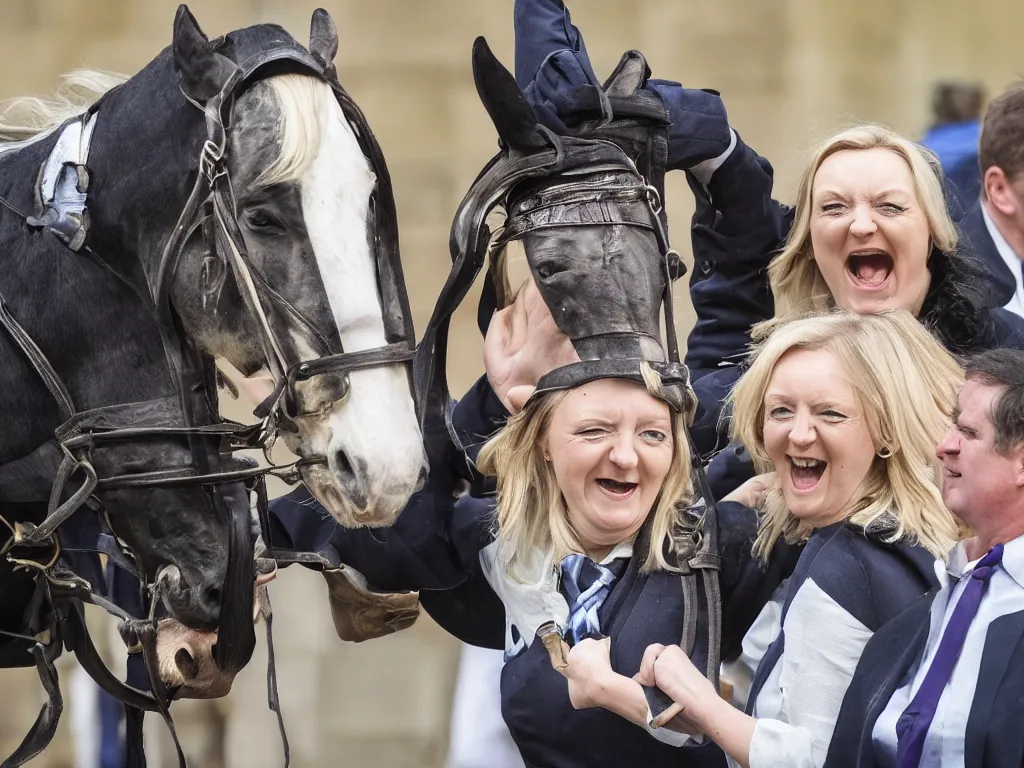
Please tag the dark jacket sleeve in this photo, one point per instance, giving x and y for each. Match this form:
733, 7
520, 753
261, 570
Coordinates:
477, 417
889, 654
737, 229
1008, 329
747, 582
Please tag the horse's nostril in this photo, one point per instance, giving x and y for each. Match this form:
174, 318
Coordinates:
186, 663
212, 595
352, 487
344, 466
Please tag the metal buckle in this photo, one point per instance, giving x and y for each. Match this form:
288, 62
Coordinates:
210, 159
22, 536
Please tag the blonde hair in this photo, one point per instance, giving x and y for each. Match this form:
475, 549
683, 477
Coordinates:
531, 516
905, 383
796, 280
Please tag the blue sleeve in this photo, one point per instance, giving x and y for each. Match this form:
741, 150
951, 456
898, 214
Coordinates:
1008, 329
432, 548
478, 416
710, 431
552, 64
737, 229
553, 68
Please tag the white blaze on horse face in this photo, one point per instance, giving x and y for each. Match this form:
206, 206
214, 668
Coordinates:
373, 433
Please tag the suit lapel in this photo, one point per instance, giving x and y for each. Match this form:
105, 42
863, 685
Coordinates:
1004, 645
1004, 284
916, 619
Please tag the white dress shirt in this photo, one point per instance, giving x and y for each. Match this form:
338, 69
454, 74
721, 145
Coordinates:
944, 744
1012, 261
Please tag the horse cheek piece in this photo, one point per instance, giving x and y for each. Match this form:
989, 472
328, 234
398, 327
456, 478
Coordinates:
587, 208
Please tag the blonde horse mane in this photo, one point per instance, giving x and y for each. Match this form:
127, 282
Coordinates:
303, 100
26, 117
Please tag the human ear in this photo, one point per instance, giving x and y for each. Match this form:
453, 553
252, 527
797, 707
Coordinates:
1018, 465
998, 192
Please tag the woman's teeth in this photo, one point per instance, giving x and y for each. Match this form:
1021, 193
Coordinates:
807, 472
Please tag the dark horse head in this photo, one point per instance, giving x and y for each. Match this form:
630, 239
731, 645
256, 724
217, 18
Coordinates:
307, 210
316, 220
586, 208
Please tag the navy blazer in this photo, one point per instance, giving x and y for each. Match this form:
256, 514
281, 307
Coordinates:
976, 239
994, 739
871, 579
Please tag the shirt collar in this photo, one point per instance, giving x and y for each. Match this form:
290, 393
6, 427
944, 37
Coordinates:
622, 549
958, 564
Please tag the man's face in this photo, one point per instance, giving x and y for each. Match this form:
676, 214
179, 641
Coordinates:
977, 480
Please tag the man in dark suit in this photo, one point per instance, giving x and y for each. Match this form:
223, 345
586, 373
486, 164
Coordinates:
994, 226
941, 685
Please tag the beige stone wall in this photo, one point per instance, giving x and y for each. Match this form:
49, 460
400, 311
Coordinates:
790, 72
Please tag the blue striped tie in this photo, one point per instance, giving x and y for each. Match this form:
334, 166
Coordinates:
586, 585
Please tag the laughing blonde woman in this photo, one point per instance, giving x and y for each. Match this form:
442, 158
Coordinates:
846, 410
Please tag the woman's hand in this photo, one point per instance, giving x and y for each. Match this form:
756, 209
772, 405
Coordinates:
701, 710
588, 673
522, 344
669, 669
751, 493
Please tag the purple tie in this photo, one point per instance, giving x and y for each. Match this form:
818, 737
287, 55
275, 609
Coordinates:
913, 725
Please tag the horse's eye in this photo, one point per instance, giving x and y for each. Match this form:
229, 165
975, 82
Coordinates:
548, 269
259, 220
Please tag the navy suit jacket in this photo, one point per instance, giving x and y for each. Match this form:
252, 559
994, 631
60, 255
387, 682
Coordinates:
995, 738
975, 238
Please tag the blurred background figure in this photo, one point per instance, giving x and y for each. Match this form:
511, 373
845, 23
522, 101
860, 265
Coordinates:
954, 134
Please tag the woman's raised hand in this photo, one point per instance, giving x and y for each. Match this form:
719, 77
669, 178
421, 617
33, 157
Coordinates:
522, 344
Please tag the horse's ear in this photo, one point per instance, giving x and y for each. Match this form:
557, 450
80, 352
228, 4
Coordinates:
203, 70
323, 37
511, 114
631, 73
